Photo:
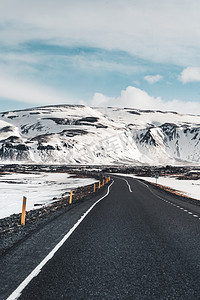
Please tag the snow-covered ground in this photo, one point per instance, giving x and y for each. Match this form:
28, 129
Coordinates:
190, 188
39, 188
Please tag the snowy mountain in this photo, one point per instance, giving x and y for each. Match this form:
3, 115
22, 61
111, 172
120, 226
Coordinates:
83, 135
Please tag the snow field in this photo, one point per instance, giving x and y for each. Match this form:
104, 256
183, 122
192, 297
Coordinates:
39, 188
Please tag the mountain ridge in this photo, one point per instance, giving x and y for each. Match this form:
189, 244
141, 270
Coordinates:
78, 134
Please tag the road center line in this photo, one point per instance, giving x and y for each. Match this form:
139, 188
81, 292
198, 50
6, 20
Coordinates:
130, 190
17, 292
128, 184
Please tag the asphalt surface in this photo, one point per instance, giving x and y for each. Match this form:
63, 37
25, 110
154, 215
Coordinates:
143, 244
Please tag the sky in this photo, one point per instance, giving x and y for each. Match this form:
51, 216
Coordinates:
126, 53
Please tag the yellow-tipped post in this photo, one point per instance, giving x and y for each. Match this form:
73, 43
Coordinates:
70, 198
23, 211
94, 187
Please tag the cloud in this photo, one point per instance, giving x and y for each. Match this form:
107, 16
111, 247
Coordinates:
153, 78
141, 28
190, 74
101, 100
27, 92
136, 98
95, 64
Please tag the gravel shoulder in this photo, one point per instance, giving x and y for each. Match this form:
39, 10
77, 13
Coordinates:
24, 247
12, 232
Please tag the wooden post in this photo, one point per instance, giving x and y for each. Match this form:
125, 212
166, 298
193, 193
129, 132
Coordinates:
70, 198
23, 211
94, 187
99, 184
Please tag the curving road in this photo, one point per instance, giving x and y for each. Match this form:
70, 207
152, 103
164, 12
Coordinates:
137, 243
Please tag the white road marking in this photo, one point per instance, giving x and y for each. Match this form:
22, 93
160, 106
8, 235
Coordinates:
17, 292
128, 185
126, 182
181, 208
143, 183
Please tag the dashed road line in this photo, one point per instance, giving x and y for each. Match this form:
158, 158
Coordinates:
173, 204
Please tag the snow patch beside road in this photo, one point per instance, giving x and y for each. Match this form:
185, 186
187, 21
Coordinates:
39, 188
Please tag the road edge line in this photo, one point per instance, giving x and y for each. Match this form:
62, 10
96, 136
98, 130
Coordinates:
17, 292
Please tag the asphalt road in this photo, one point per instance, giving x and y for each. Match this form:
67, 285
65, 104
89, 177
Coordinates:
137, 243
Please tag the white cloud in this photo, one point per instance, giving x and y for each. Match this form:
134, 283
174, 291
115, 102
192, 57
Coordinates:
190, 74
153, 78
12, 57
25, 91
136, 98
101, 100
94, 64
139, 27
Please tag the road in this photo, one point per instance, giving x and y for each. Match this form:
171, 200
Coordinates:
137, 243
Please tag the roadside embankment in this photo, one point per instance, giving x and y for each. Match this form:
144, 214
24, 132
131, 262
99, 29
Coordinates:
12, 232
